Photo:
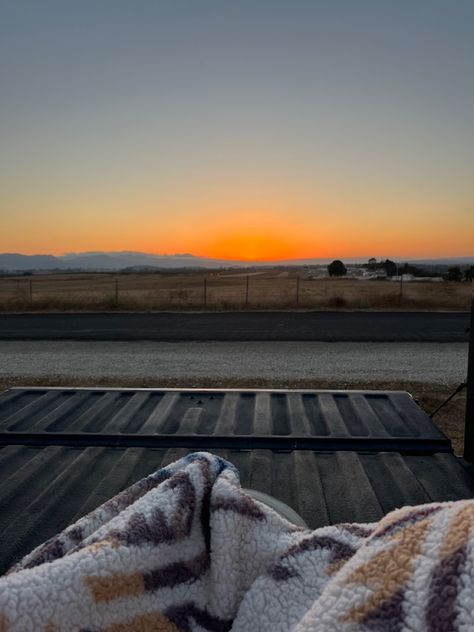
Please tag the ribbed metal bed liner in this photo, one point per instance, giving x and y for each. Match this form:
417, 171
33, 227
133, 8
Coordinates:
65, 451
43, 489
323, 420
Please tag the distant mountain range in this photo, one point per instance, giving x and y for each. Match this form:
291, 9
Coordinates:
106, 261
120, 260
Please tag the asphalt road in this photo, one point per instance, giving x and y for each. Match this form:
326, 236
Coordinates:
240, 326
197, 361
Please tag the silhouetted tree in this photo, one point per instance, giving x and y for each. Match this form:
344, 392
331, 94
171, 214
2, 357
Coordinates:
390, 267
337, 268
453, 274
372, 263
469, 273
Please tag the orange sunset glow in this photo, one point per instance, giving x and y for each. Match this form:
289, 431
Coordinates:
252, 247
273, 131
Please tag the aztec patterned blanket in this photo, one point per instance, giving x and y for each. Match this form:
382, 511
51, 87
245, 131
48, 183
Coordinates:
187, 549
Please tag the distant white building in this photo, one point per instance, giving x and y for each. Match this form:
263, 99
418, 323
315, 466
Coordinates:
373, 274
404, 278
407, 278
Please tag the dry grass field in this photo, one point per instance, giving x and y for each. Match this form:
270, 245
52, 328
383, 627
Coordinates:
226, 290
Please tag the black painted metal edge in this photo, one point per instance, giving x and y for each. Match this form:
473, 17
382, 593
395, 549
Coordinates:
207, 442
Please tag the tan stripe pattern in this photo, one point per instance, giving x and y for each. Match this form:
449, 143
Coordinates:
116, 586
163, 568
388, 571
152, 622
459, 529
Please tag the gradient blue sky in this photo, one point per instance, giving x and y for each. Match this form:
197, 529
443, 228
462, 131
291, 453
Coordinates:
240, 129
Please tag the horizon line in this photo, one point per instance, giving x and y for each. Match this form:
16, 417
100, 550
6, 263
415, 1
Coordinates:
240, 260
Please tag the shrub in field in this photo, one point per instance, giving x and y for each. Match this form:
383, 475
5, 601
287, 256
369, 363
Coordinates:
469, 273
454, 274
337, 268
337, 301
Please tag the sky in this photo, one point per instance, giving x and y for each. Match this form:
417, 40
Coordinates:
260, 129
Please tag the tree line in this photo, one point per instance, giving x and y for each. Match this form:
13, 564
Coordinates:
454, 273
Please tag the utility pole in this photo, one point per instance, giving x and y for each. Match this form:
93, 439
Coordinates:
297, 291
469, 421
400, 276
205, 291
247, 290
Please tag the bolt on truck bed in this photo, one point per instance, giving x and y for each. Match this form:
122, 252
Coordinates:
333, 456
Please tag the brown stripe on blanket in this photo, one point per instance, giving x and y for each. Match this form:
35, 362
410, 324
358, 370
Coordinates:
51, 550
184, 614
459, 529
444, 585
388, 571
75, 533
123, 585
157, 527
444, 590
152, 622
385, 529
177, 573
128, 496
242, 504
355, 529
282, 573
340, 553
158, 530
116, 586
4, 623
388, 617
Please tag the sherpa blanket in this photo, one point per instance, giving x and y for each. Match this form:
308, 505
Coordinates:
187, 549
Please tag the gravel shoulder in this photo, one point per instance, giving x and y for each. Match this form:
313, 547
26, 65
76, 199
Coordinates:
423, 362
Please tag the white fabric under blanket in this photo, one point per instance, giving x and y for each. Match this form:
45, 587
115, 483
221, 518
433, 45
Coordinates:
187, 549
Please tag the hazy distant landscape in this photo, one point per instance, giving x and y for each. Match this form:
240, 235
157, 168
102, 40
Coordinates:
144, 282
98, 261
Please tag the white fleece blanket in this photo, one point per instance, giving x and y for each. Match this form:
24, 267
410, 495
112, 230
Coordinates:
187, 549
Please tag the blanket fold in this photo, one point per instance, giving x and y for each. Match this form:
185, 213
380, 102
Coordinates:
187, 549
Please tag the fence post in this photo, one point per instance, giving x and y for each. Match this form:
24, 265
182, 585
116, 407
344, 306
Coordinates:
246, 290
469, 419
30, 288
205, 291
297, 291
116, 292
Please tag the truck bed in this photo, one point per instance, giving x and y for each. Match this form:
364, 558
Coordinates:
333, 456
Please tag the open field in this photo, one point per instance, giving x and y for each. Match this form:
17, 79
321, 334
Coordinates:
221, 291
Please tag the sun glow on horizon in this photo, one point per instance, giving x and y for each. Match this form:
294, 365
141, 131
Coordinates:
241, 224
239, 131
251, 246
